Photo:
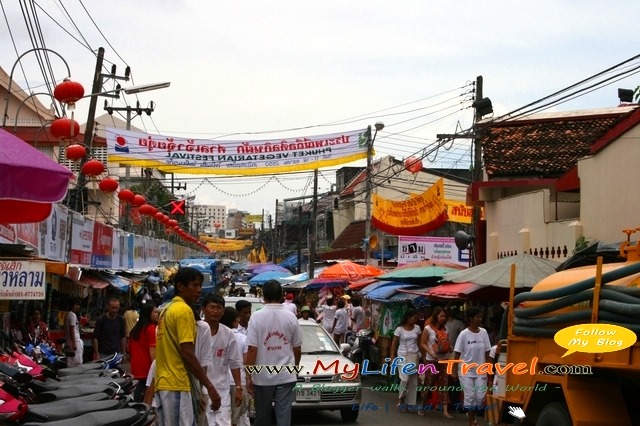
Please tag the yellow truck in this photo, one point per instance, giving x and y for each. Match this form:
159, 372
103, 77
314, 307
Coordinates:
581, 388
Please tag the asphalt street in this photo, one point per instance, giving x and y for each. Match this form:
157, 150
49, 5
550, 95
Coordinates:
378, 408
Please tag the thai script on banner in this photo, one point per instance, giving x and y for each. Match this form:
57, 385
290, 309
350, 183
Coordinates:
415, 249
416, 215
102, 251
22, 280
201, 156
81, 240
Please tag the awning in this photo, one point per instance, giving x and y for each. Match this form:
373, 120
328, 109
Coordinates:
87, 279
121, 283
424, 272
360, 284
453, 290
376, 285
384, 293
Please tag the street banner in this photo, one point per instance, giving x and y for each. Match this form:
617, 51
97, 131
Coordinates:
81, 240
416, 215
7, 233
22, 280
415, 249
172, 154
28, 234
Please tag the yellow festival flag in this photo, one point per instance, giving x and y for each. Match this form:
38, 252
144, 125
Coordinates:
416, 215
263, 255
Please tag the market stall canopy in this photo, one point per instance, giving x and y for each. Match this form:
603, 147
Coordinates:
262, 278
368, 289
360, 284
299, 277
529, 271
317, 283
241, 266
423, 272
350, 271
383, 293
291, 262
29, 181
119, 282
267, 267
453, 290
431, 262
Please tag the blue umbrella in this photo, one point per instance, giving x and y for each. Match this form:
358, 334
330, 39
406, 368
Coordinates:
267, 267
266, 276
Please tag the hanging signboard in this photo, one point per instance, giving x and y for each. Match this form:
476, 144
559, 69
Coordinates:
54, 234
415, 249
28, 234
81, 240
416, 215
22, 280
201, 156
102, 250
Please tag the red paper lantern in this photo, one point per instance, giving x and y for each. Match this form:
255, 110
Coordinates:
108, 185
172, 223
413, 165
75, 152
146, 209
165, 219
64, 128
68, 92
92, 168
138, 200
217, 225
126, 195
158, 216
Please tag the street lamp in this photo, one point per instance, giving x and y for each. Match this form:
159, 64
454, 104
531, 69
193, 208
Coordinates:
368, 188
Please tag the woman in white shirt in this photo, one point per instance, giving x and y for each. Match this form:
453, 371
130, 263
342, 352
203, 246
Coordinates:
472, 346
405, 345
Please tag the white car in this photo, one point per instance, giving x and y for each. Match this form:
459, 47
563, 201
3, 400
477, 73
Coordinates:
327, 380
256, 302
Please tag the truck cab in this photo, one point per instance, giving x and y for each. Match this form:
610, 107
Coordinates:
209, 269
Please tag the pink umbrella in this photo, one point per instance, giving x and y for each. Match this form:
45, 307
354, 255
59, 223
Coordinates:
29, 181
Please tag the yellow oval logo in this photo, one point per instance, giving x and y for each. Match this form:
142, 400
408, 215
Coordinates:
594, 338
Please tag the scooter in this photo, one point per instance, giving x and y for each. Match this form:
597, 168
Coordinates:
365, 347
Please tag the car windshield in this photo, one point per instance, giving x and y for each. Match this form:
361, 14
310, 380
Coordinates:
315, 340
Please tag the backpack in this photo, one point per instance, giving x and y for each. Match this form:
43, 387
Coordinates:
442, 345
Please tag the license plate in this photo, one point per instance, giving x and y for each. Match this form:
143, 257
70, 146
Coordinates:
307, 395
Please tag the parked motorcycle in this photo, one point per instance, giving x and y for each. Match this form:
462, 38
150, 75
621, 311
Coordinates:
364, 347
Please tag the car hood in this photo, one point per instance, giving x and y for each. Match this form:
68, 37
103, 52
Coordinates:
326, 365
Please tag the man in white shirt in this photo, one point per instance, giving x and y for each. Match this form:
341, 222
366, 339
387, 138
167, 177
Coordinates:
340, 323
357, 316
274, 338
239, 415
227, 356
328, 311
289, 305
244, 310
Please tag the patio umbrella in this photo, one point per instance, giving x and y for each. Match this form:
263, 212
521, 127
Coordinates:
241, 266
529, 271
267, 267
267, 276
424, 272
29, 181
349, 271
300, 277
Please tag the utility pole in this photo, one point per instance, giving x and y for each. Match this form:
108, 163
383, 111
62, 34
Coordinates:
312, 223
274, 235
477, 170
300, 238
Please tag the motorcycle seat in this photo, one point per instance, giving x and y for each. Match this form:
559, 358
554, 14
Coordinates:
52, 385
134, 415
51, 413
80, 369
74, 392
89, 374
100, 396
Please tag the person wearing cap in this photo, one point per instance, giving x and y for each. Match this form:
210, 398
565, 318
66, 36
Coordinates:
306, 312
289, 305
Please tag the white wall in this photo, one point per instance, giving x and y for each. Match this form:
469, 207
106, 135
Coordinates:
608, 182
522, 222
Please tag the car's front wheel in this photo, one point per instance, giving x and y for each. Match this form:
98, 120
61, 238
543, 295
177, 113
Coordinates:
349, 415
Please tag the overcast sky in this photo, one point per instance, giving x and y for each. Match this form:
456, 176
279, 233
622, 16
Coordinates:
275, 69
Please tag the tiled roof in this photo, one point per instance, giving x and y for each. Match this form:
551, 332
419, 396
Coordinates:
351, 236
543, 146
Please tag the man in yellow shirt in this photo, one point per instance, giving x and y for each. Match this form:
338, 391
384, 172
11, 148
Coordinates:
175, 356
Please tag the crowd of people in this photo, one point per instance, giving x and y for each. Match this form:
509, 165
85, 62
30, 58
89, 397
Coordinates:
188, 354
444, 337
